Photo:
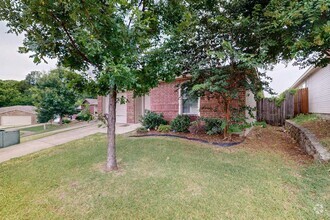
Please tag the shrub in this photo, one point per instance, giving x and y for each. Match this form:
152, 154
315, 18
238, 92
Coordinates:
66, 121
84, 116
152, 120
181, 123
213, 125
197, 127
235, 128
262, 124
141, 130
164, 128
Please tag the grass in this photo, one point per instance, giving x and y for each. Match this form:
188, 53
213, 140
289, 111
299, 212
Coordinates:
302, 118
326, 143
161, 178
38, 132
47, 133
49, 127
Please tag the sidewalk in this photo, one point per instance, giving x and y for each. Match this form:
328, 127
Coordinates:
58, 139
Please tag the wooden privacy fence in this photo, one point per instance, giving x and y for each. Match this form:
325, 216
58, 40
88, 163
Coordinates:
268, 111
301, 102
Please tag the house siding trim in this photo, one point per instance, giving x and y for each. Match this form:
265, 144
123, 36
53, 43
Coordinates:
317, 81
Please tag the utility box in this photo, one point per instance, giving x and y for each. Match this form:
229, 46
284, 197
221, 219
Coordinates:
8, 138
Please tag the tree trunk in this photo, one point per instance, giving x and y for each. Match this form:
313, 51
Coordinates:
61, 120
111, 128
227, 112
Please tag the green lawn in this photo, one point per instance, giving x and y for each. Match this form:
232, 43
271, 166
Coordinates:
161, 178
49, 127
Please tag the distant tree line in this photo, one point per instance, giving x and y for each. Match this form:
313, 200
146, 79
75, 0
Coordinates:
52, 93
14, 92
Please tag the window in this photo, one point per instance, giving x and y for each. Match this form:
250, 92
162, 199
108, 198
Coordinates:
188, 105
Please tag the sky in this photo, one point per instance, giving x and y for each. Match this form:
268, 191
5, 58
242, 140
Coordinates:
16, 66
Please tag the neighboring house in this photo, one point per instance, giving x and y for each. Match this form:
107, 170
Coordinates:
167, 99
317, 80
18, 115
92, 103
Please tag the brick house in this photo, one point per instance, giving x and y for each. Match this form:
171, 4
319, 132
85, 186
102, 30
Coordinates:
92, 103
18, 115
167, 99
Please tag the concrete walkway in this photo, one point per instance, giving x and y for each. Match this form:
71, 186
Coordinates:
58, 139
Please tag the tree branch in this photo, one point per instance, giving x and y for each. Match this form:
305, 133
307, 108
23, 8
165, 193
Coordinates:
131, 18
72, 41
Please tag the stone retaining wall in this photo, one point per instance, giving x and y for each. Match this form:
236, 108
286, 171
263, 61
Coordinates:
307, 141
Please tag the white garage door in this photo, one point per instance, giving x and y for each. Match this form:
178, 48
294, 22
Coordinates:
121, 110
15, 120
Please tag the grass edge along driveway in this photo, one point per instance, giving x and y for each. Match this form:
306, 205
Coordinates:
161, 178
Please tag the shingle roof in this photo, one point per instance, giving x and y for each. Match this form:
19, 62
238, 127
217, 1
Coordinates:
91, 101
23, 108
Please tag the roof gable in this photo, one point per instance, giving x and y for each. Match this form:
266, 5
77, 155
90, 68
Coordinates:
23, 108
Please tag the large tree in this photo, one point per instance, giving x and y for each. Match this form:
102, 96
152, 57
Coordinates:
110, 39
53, 96
33, 77
214, 45
223, 44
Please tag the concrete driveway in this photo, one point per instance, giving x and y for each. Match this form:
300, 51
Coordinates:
58, 139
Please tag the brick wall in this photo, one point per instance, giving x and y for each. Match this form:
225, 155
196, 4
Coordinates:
165, 99
211, 107
19, 113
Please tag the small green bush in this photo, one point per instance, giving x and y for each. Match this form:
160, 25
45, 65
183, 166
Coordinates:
262, 124
84, 116
197, 127
235, 128
214, 125
141, 130
181, 123
66, 121
164, 128
151, 120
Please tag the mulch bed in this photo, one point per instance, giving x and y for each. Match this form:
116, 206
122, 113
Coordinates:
216, 140
276, 139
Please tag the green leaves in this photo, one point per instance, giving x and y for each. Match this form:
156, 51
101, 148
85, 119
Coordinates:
111, 38
302, 27
53, 95
15, 93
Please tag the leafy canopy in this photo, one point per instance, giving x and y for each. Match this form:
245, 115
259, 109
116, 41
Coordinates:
15, 93
53, 97
107, 38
